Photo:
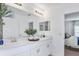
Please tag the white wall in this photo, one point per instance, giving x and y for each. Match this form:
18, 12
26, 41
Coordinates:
56, 18
16, 25
57, 27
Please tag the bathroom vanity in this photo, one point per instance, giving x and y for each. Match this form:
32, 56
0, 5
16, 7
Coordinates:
27, 48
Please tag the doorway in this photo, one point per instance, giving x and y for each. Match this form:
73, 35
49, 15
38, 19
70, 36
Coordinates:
72, 34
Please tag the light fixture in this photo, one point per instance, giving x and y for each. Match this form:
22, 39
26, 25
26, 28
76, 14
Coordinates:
38, 12
19, 4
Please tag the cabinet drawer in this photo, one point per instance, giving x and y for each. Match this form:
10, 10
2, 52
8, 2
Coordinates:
22, 54
15, 50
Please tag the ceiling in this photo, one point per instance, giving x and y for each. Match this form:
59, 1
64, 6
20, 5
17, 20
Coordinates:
67, 7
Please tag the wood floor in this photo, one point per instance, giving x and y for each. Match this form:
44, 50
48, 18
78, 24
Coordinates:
71, 51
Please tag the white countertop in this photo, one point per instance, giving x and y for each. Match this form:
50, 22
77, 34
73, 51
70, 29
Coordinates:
21, 43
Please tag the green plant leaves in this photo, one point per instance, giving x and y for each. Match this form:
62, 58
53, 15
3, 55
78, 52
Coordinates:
30, 31
4, 10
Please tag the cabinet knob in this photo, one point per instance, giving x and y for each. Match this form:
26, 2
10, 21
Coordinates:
47, 45
38, 50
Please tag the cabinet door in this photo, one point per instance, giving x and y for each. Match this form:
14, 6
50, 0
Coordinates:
48, 47
35, 51
43, 49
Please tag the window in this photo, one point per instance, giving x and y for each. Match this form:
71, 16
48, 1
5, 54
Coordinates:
41, 26
44, 26
31, 25
76, 28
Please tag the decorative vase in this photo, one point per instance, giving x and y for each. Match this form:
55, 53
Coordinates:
30, 38
1, 42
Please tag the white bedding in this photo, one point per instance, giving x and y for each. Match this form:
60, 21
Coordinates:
72, 41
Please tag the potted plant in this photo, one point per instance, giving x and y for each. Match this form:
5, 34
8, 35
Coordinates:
4, 12
31, 33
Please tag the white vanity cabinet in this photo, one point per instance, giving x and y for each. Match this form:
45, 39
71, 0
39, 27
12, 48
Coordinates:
15, 51
43, 48
48, 47
36, 48
22, 51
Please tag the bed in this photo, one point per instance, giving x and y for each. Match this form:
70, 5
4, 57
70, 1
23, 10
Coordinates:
72, 41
